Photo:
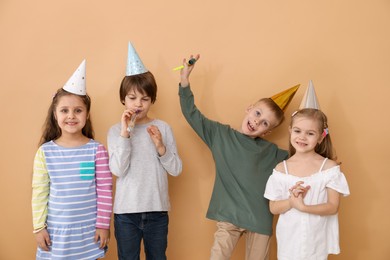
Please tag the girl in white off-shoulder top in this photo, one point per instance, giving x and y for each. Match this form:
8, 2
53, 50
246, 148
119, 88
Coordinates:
305, 191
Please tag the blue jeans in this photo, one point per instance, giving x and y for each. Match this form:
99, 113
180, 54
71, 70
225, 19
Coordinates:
131, 228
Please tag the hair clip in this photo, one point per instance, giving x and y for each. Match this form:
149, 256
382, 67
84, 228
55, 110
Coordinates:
293, 114
325, 132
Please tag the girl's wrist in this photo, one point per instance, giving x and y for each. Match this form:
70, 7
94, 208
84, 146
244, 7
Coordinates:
302, 208
290, 206
305, 208
37, 230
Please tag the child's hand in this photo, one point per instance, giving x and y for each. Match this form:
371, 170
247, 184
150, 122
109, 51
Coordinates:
156, 137
102, 235
297, 202
43, 239
125, 120
298, 189
186, 71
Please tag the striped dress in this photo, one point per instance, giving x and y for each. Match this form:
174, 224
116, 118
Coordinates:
72, 194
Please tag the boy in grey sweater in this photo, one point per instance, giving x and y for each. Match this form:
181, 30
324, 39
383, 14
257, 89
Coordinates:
142, 153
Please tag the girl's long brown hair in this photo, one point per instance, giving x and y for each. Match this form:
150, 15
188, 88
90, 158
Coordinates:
325, 148
51, 130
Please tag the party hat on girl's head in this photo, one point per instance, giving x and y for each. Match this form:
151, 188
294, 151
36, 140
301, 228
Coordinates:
310, 98
76, 83
284, 98
134, 63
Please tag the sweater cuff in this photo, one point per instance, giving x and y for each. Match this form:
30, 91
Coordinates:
124, 142
100, 226
185, 92
166, 157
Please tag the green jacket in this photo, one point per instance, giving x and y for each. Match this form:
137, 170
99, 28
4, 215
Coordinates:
243, 165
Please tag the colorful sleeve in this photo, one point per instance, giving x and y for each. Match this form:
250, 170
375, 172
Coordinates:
40, 190
103, 189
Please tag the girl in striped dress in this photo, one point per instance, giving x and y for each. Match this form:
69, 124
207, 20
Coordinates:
72, 184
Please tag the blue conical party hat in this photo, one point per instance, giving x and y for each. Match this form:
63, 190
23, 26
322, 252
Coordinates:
76, 84
134, 63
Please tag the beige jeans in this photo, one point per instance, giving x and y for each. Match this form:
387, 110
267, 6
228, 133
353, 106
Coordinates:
227, 236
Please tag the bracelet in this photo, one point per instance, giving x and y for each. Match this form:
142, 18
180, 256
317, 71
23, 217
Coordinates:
40, 229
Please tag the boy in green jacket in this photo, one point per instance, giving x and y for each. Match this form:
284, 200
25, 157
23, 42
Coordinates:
244, 161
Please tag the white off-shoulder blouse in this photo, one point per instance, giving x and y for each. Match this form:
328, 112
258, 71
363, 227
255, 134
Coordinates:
301, 235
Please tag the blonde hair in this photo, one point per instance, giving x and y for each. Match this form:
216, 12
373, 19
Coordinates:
324, 148
278, 112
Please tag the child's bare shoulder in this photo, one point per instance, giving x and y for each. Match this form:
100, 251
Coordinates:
280, 167
330, 164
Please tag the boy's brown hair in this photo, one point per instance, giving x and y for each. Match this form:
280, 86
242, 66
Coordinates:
143, 83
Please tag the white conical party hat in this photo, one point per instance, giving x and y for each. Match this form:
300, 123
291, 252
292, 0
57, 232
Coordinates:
310, 98
134, 63
76, 83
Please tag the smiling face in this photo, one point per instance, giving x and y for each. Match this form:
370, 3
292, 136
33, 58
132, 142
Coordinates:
259, 120
305, 134
71, 114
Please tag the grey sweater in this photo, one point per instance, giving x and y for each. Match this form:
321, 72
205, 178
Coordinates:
142, 180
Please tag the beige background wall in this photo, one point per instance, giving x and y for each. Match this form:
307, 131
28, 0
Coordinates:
249, 49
